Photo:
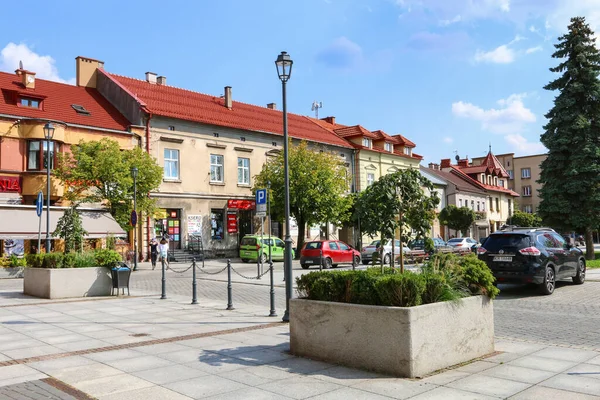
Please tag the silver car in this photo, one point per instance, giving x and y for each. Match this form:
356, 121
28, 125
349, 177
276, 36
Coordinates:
366, 253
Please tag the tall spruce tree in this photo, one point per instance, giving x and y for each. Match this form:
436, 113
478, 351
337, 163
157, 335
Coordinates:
570, 196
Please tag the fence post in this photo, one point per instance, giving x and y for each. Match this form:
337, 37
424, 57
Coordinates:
272, 313
229, 299
163, 294
258, 263
194, 284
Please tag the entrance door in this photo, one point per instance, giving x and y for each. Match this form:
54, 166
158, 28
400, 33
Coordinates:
173, 228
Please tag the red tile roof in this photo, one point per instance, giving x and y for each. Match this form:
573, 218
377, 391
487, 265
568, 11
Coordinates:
459, 171
57, 99
172, 102
355, 130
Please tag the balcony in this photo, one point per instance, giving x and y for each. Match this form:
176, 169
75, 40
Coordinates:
480, 215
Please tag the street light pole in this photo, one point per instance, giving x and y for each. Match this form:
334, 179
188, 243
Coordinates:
284, 70
48, 134
134, 173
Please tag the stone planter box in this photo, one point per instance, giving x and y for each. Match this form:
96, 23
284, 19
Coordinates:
11, 272
401, 341
67, 282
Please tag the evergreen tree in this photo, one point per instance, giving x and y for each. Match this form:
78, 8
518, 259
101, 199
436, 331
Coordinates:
70, 229
570, 196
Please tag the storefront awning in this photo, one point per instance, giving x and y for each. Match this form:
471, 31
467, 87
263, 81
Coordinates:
22, 222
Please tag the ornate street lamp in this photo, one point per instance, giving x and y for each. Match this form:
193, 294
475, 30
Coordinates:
134, 174
284, 70
48, 134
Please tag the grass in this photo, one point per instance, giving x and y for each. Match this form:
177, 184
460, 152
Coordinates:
591, 264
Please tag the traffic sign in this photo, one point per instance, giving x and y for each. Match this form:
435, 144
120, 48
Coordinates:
39, 204
261, 196
133, 218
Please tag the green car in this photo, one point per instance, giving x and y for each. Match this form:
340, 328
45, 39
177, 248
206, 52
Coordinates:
252, 247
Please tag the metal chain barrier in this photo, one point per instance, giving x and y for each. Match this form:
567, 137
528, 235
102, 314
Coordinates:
252, 277
212, 273
180, 272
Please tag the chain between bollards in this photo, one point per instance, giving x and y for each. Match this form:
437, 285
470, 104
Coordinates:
272, 312
194, 285
229, 295
163, 294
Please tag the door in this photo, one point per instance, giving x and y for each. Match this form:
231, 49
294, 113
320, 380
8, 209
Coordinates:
278, 249
345, 252
334, 253
570, 259
556, 252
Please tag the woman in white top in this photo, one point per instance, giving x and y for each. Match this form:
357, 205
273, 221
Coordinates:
164, 248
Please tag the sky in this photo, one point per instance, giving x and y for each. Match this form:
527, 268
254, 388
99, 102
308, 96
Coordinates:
454, 76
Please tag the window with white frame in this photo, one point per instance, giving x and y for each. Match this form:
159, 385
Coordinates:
526, 191
216, 168
366, 142
389, 147
510, 174
525, 173
460, 202
528, 208
243, 171
407, 151
171, 164
370, 179
478, 206
473, 205
501, 182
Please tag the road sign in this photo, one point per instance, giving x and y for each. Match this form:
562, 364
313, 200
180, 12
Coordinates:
39, 204
261, 214
133, 218
261, 196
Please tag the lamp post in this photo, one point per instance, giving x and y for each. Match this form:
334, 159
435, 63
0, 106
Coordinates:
48, 134
134, 173
284, 70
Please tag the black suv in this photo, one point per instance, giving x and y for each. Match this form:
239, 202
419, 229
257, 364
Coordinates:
532, 255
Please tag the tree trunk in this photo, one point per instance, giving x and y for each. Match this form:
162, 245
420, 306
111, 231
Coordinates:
589, 244
301, 233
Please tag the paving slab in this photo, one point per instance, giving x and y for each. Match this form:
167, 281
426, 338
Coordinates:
489, 386
204, 386
574, 383
170, 374
150, 393
299, 387
519, 374
541, 363
107, 385
394, 387
565, 354
545, 393
446, 393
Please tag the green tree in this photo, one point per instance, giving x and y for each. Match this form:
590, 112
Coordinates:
319, 184
570, 195
397, 201
457, 218
520, 218
100, 172
70, 229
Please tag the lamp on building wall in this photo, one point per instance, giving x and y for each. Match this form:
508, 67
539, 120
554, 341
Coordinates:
49, 135
284, 71
134, 174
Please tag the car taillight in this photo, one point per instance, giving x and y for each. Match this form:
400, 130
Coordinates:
258, 247
364, 249
481, 250
530, 251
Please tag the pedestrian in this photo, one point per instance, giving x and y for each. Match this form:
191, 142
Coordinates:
164, 248
153, 252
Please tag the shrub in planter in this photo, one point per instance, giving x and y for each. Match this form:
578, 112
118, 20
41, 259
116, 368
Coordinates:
107, 258
53, 260
34, 260
401, 290
15, 262
478, 277
85, 260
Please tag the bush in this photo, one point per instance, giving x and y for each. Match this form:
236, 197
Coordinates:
53, 260
14, 261
85, 260
478, 277
437, 288
401, 290
107, 258
34, 260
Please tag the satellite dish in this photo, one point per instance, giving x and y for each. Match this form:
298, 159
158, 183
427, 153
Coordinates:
457, 158
20, 64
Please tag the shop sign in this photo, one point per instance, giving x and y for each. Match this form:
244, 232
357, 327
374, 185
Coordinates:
232, 223
10, 184
241, 204
194, 224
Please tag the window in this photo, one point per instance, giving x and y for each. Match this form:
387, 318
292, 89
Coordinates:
366, 142
343, 246
407, 151
483, 178
478, 206
510, 174
501, 182
495, 181
527, 191
333, 246
491, 204
37, 155
171, 164
460, 202
215, 134
483, 206
216, 168
389, 147
80, 109
29, 102
525, 173
497, 204
216, 224
243, 171
171, 127
242, 138
528, 208
472, 204
313, 245
370, 179
274, 144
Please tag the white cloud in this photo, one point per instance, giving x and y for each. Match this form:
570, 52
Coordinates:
533, 49
448, 140
523, 146
43, 66
511, 117
559, 17
500, 55
446, 22
448, 10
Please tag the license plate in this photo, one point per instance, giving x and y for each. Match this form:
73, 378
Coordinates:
506, 259
308, 262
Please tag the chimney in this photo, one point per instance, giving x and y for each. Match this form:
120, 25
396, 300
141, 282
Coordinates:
330, 120
228, 100
272, 106
433, 166
445, 163
161, 80
463, 163
151, 77
86, 68
27, 78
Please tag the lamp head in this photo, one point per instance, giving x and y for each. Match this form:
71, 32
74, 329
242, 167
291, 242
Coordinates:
134, 172
48, 131
284, 66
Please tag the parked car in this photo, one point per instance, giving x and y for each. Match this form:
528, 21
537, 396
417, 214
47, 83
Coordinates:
438, 245
254, 246
532, 255
463, 244
333, 253
367, 252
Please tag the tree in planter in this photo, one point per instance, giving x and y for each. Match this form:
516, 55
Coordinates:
100, 172
318, 186
70, 229
457, 218
520, 218
570, 195
397, 201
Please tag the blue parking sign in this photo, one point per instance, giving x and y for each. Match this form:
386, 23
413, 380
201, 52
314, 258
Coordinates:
39, 204
261, 196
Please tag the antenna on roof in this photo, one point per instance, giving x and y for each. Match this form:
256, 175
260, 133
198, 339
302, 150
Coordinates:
20, 64
490, 147
315, 107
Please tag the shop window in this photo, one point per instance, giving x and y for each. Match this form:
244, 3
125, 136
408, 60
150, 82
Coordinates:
37, 155
216, 224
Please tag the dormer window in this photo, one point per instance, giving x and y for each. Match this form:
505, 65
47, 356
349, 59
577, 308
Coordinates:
366, 142
29, 102
407, 151
80, 109
389, 147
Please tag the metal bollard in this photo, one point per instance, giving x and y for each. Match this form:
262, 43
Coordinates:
194, 285
163, 294
229, 297
258, 263
321, 260
353, 262
272, 313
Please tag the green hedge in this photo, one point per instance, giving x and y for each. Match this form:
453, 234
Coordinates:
97, 258
443, 278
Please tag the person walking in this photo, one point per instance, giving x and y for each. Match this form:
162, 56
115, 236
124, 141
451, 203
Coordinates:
153, 252
164, 249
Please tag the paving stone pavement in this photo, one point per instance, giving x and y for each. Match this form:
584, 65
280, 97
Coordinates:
34, 390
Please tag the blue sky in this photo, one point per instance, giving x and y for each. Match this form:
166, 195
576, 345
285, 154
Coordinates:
451, 75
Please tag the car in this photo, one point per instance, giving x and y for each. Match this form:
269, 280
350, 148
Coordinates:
462, 244
367, 252
438, 245
329, 253
533, 255
256, 247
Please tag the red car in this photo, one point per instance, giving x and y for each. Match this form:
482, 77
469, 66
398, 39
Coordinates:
334, 252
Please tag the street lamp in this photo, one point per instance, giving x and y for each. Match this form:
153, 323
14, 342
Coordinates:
134, 173
284, 70
48, 134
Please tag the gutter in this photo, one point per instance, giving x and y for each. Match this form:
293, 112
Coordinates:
144, 108
20, 118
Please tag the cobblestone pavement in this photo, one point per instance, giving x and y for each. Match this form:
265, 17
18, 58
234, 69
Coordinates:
33, 390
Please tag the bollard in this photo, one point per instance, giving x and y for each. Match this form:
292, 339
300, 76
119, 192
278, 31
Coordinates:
321, 259
258, 263
353, 262
194, 285
229, 299
272, 313
163, 294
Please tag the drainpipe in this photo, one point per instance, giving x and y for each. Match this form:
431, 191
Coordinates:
147, 151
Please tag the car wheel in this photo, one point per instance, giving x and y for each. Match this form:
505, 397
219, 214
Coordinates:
549, 281
579, 278
264, 258
327, 263
356, 260
244, 260
365, 262
334, 265
386, 259
304, 266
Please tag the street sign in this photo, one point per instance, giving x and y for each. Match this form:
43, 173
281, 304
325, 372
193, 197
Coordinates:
261, 196
39, 204
133, 218
261, 213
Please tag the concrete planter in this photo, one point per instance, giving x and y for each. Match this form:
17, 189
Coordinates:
400, 341
11, 272
67, 282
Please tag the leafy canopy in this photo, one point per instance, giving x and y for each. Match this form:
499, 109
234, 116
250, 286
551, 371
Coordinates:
520, 218
70, 229
100, 172
457, 218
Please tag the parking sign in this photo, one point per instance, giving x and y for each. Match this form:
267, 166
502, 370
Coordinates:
261, 196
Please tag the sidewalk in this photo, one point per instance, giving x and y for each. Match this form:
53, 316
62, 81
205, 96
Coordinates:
147, 348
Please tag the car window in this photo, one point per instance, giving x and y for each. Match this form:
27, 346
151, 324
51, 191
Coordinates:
333, 246
343, 246
455, 241
248, 241
496, 243
560, 241
546, 240
279, 243
267, 242
313, 245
